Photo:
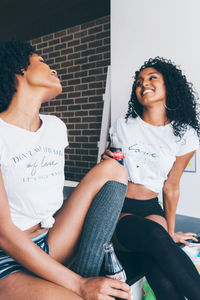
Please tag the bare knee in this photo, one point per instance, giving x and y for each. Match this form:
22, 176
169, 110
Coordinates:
115, 171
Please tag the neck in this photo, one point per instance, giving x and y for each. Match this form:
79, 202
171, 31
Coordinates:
23, 112
155, 116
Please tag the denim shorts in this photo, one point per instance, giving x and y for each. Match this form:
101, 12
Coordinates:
8, 265
143, 208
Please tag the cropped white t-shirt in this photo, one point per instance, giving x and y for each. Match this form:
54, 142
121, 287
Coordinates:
150, 151
32, 165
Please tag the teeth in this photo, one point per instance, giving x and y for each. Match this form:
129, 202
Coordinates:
147, 91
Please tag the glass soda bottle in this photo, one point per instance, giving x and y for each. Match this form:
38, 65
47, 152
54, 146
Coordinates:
116, 149
113, 269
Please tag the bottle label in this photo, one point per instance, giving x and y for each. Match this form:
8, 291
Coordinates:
121, 276
118, 155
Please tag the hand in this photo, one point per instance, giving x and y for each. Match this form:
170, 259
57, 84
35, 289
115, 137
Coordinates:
182, 237
101, 288
107, 155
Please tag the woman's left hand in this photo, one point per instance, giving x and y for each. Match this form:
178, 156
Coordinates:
182, 237
107, 155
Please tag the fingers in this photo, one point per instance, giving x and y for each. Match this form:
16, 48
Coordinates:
119, 285
120, 289
190, 234
185, 242
183, 238
187, 235
104, 288
109, 152
194, 239
116, 289
119, 294
106, 155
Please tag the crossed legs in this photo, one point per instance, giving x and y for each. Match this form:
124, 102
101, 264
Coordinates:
63, 237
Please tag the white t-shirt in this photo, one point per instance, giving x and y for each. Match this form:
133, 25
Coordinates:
150, 151
32, 165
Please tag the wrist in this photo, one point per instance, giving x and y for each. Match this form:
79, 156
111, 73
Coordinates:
74, 284
82, 281
171, 228
171, 233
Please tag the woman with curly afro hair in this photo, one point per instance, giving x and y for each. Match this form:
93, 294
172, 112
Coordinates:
158, 136
38, 231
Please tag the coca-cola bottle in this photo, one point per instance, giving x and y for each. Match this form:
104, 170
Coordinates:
112, 268
116, 149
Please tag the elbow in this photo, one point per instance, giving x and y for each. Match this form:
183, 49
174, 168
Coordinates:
171, 189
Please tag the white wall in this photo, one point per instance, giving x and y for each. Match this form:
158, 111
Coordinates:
143, 29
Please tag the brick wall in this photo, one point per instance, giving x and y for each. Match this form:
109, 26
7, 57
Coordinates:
80, 55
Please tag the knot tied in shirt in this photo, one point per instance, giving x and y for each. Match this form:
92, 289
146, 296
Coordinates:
47, 222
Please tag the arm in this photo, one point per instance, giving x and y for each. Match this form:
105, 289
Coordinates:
22, 249
171, 197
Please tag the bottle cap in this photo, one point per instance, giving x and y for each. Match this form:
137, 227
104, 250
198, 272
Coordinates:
108, 247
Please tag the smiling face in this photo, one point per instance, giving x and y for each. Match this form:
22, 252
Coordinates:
40, 75
150, 87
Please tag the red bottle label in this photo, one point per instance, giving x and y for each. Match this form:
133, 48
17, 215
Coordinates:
118, 155
121, 276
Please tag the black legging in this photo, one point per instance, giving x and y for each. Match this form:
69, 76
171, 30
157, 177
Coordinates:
163, 288
168, 269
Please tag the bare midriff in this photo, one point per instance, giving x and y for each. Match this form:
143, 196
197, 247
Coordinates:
34, 231
139, 192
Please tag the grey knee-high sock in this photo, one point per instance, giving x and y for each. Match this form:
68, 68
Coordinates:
98, 228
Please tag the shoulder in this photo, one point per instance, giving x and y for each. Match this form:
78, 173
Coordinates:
189, 135
122, 122
116, 125
56, 126
121, 125
52, 120
189, 141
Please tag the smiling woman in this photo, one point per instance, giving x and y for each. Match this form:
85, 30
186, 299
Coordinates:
150, 87
159, 136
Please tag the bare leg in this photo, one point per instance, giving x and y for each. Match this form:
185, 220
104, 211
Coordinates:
21, 285
63, 237
158, 219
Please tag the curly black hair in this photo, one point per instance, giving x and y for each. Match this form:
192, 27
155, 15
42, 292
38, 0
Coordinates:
14, 56
181, 99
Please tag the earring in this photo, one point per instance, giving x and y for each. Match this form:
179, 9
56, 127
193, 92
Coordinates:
168, 108
135, 112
